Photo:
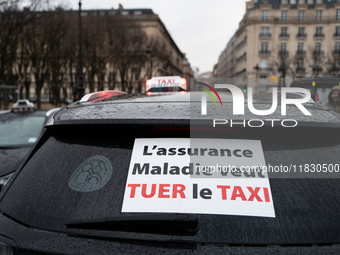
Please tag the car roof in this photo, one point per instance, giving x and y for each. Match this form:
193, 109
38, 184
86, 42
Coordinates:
178, 108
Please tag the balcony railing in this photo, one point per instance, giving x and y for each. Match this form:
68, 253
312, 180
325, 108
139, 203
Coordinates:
244, 55
336, 36
290, 19
284, 36
300, 69
318, 53
265, 35
336, 53
265, 69
242, 42
319, 36
264, 52
317, 69
300, 53
283, 53
301, 36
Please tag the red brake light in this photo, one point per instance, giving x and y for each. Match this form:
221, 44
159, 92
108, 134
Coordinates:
104, 95
149, 93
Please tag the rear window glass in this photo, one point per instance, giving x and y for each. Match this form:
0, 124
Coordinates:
306, 209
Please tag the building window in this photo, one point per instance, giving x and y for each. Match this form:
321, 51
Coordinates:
264, 47
265, 14
301, 15
301, 32
318, 1
310, 1
338, 14
318, 31
300, 47
317, 63
292, 1
337, 63
136, 46
73, 77
284, 14
264, 64
284, 1
301, 1
284, 31
265, 31
283, 47
137, 13
318, 14
300, 63
318, 47
337, 47
337, 31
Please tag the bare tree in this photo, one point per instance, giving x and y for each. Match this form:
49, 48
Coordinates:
95, 49
332, 65
127, 45
160, 60
57, 64
21, 68
39, 51
71, 51
316, 61
281, 63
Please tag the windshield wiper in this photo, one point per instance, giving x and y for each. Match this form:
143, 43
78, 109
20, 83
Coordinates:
178, 224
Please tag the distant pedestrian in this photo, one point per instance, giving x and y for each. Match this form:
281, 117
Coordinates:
334, 99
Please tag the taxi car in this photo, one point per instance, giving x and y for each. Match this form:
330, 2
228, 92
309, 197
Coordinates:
114, 177
20, 128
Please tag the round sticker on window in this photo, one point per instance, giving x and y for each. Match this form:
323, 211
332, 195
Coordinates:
91, 175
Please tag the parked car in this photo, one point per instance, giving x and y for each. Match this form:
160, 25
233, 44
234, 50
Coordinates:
127, 176
20, 128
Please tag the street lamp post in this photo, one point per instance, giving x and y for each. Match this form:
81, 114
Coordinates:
80, 89
256, 85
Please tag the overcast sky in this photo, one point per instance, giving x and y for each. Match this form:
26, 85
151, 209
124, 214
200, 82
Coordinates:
200, 28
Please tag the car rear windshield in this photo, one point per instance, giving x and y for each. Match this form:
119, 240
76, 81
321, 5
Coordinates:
20, 129
306, 209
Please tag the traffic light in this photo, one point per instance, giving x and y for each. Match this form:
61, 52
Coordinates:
245, 89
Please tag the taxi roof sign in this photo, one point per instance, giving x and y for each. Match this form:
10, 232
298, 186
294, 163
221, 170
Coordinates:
166, 81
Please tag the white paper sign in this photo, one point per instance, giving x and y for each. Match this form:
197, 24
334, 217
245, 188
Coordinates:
201, 176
